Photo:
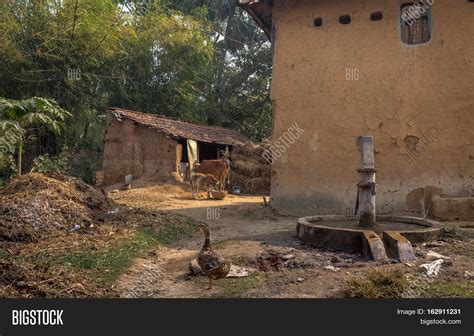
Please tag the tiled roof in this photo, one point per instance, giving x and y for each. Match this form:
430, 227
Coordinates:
181, 129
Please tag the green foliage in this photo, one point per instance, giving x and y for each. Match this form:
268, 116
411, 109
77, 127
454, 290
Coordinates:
236, 287
81, 164
32, 111
236, 86
170, 232
10, 134
203, 61
7, 168
45, 163
451, 289
112, 261
18, 117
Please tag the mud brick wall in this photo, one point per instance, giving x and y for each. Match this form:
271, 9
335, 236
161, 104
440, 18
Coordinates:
416, 100
146, 154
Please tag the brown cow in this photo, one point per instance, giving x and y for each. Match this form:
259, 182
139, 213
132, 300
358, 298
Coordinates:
217, 168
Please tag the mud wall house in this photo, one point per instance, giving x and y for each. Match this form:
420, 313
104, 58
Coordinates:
345, 68
152, 147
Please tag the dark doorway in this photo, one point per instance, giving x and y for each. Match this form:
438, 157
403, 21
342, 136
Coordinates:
184, 152
208, 151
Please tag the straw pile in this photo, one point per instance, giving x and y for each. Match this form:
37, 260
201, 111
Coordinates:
34, 205
249, 169
27, 280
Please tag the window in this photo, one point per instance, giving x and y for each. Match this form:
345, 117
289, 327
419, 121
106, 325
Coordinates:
318, 22
415, 23
345, 19
376, 16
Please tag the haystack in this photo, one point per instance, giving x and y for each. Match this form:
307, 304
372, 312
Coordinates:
34, 205
249, 169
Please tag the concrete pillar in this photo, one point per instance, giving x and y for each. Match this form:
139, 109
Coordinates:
366, 185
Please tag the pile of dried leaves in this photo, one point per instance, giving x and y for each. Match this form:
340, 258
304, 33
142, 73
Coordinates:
40, 256
57, 266
34, 205
86, 262
41, 269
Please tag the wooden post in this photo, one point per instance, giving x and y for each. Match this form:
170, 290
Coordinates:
366, 183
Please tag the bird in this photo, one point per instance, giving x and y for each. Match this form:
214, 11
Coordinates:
212, 263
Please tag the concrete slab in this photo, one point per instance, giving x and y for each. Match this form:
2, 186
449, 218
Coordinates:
388, 239
398, 246
373, 247
333, 238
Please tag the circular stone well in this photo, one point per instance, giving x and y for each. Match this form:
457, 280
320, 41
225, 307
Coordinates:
390, 237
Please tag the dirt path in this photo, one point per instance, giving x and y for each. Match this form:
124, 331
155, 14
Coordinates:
242, 228
239, 226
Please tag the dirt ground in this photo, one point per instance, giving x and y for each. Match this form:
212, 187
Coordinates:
243, 228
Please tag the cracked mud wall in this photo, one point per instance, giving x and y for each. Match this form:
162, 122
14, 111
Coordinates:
146, 154
417, 101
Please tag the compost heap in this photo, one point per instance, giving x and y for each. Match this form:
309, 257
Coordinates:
36, 204
249, 169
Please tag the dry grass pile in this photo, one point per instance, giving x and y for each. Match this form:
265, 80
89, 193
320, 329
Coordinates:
86, 263
62, 265
249, 169
379, 283
26, 280
34, 205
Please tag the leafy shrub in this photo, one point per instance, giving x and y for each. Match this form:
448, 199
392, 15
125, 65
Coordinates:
82, 165
7, 168
78, 163
45, 164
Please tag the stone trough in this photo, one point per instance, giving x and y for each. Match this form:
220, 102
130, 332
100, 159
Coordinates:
390, 238
378, 237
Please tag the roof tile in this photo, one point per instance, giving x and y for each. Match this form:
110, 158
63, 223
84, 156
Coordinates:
182, 129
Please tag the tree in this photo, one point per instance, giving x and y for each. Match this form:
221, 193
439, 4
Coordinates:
90, 54
197, 60
236, 86
17, 117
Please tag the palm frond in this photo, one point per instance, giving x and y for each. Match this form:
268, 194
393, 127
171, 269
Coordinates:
11, 133
11, 109
50, 106
9, 125
37, 118
35, 110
